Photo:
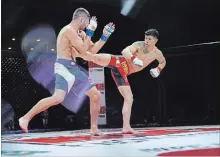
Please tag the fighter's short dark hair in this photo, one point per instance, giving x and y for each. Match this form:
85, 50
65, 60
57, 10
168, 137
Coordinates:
152, 32
80, 12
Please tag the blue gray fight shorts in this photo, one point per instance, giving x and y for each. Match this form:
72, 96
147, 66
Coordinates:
70, 76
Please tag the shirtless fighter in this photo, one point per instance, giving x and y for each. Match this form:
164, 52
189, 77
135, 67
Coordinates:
134, 58
68, 73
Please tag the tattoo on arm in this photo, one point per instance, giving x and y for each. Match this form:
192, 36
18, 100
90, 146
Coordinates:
141, 45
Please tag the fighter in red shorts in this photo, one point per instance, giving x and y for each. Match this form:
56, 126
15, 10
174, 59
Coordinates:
134, 58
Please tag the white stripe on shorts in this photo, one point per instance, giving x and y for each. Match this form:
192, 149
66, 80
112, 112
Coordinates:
64, 72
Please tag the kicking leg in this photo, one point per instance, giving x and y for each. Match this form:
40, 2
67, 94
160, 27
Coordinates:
101, 59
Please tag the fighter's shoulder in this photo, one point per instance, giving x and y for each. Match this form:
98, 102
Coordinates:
67, 30
138, 44
158, 51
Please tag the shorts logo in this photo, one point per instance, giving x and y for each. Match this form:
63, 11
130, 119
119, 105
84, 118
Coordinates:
125, 67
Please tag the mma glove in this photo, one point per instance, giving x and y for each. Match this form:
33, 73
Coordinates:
91, 27
108, 30
137, 61
155, 72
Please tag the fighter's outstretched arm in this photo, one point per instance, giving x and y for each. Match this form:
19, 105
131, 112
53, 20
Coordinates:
96, 47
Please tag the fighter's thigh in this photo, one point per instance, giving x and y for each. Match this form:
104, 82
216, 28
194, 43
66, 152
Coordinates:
64, 77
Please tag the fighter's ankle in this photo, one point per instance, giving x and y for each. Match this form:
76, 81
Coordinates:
126, 127
25, 118
94, 127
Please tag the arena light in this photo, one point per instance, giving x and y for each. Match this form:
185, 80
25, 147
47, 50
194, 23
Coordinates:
9, 48
127, 6
13, 39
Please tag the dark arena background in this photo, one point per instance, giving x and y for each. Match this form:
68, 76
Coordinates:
185, 97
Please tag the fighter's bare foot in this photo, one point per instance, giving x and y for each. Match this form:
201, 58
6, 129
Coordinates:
129, 131
23, 123
96, 132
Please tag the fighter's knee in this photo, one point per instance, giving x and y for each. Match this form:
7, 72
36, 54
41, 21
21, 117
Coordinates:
97, 107
129, 99
96, 96
125, 110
